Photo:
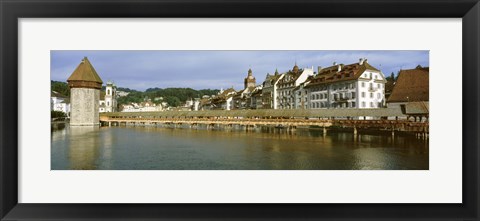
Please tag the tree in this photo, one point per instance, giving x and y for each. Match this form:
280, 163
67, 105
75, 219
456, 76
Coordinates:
57, 114
173, 96
60, 87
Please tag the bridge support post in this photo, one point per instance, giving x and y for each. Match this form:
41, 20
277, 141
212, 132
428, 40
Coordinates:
291, 128
324, 131
355, 131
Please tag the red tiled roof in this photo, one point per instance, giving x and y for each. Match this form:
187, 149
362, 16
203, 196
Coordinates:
411, 85
347, 72
290, 76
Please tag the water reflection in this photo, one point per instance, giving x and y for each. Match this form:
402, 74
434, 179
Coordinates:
144, 148
84, 147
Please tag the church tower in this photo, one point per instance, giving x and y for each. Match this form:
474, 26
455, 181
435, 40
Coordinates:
110, 97
85, 85
249, 80
295, 68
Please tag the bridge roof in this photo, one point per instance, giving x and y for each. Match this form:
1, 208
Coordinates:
380, 112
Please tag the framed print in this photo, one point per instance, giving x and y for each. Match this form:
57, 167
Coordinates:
320, 110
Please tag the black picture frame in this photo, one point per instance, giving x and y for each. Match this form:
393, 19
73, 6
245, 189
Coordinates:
11, 11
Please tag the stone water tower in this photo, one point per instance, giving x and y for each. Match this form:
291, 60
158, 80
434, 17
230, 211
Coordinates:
85, 85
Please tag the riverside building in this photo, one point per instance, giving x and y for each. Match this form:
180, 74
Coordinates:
269, 91
357, 85
285, 90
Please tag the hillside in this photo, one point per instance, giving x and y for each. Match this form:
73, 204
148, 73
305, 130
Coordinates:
173, 96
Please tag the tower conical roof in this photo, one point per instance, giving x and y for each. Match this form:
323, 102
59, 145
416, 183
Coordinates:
85, 72
85, 76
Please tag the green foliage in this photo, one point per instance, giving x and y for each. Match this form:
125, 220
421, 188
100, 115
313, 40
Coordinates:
173, 96
57, 114
60, 87
391, 77
135, 97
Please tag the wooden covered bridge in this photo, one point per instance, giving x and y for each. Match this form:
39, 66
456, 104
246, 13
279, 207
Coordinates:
387, 119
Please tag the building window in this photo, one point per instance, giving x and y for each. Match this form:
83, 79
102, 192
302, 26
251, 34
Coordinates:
378, 96
371, 104
108, 103
363, 84
363, 94
353, 104
353, 95
363, 103
371, 95
108, 92
379, 104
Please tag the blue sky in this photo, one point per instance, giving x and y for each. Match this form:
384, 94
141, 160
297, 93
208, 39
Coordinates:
216, 69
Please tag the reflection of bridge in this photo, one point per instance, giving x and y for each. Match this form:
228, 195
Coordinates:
379, 119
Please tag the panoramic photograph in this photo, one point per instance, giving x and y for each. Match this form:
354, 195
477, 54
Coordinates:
239, 110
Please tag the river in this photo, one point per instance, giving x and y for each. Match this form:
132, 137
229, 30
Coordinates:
159, 148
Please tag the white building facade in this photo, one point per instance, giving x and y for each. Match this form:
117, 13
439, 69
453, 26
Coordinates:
357, 85
286, 86
59, 102
269, 91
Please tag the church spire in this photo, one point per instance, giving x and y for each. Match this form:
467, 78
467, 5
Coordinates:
295, 68
250, 79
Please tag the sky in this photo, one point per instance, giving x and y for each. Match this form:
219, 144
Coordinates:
140, 70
